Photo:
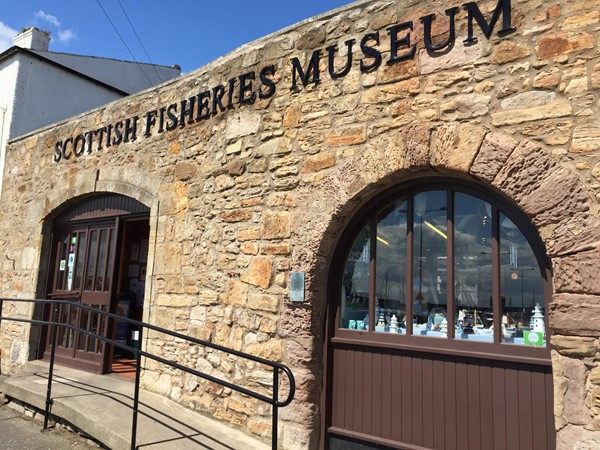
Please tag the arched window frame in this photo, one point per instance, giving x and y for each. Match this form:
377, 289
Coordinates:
496, 349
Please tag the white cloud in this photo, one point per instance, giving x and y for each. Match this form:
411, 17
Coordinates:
6, 35
66, 36
47, 18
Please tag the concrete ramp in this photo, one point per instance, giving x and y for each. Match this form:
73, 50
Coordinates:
101, 406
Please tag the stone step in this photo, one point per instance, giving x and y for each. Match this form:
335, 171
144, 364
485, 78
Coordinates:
101, 406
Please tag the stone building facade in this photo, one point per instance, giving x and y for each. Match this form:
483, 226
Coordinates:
253, 166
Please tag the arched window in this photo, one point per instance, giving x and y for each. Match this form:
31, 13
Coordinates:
449, 266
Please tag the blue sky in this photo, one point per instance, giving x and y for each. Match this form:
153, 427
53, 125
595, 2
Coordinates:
190, 33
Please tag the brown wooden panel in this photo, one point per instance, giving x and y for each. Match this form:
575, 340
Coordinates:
525, 410
419, 400
474, 408
462, 405
397, 399
367, 397
439, 417
406, 399
499, 402
450, 403
512, 406
376, 414
350, 390
428, 417
386, 405
487, 410
538, 394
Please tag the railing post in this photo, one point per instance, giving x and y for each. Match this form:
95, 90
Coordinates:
136, 392
275, 407
51, 368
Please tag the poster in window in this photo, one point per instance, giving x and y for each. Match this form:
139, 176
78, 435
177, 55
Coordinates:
143, 251
135, 252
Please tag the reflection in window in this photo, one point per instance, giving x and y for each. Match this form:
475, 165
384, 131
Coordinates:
391, 267
473, 267
355, 284
466, 257
522, 287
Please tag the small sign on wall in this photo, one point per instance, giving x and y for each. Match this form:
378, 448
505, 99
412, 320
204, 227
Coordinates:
297, 287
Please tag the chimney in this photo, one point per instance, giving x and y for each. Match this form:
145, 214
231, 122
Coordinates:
32, 39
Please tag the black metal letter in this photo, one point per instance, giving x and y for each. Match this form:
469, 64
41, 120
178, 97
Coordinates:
395, 43
503, 6
370, 52
247, 94
267, 82
426, 20
331, 59
313, 69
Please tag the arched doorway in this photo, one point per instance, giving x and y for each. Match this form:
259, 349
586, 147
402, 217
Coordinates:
97, 257
436, 330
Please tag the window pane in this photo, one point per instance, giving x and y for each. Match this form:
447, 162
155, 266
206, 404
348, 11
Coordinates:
79, 260
103, 250
391, 268
429, 263
473, 268
522, 288
355, 284
91, 267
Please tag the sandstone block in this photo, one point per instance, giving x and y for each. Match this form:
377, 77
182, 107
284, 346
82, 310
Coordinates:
547, 79
455, 146
185, 171
577, 273
259, 272
586, 139
528, 99
263, 302
318, 162
248, 234
276, 249
493, 153
347, 136
271, 349
237, 293
522, 115
563, 43
572, 346
238, 215
459, 56
242, 123
570, 315
392, 92
509, 51
466, 106
276, 225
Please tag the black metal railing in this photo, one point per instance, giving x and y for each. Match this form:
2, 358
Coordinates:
54, 323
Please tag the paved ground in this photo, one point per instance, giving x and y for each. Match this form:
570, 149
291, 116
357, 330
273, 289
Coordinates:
18, 432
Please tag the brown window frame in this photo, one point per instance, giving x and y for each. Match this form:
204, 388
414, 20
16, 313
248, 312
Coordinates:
491, 350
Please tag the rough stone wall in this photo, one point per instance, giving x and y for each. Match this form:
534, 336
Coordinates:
243, 198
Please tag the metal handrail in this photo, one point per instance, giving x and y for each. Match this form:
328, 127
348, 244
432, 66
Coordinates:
54, 323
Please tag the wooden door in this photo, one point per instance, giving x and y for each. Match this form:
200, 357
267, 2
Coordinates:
390, 398
83, 272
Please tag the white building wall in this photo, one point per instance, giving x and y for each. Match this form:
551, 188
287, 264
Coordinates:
48, 94
34, 94
124, 75
8, 80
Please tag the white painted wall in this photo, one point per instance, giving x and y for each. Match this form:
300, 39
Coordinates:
8, 76
36, 94
46, 94
124, 75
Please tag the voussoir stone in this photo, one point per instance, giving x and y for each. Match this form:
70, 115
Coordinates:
577, 273
455, 146
574, 345
570, 315
525, 170
493, 153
